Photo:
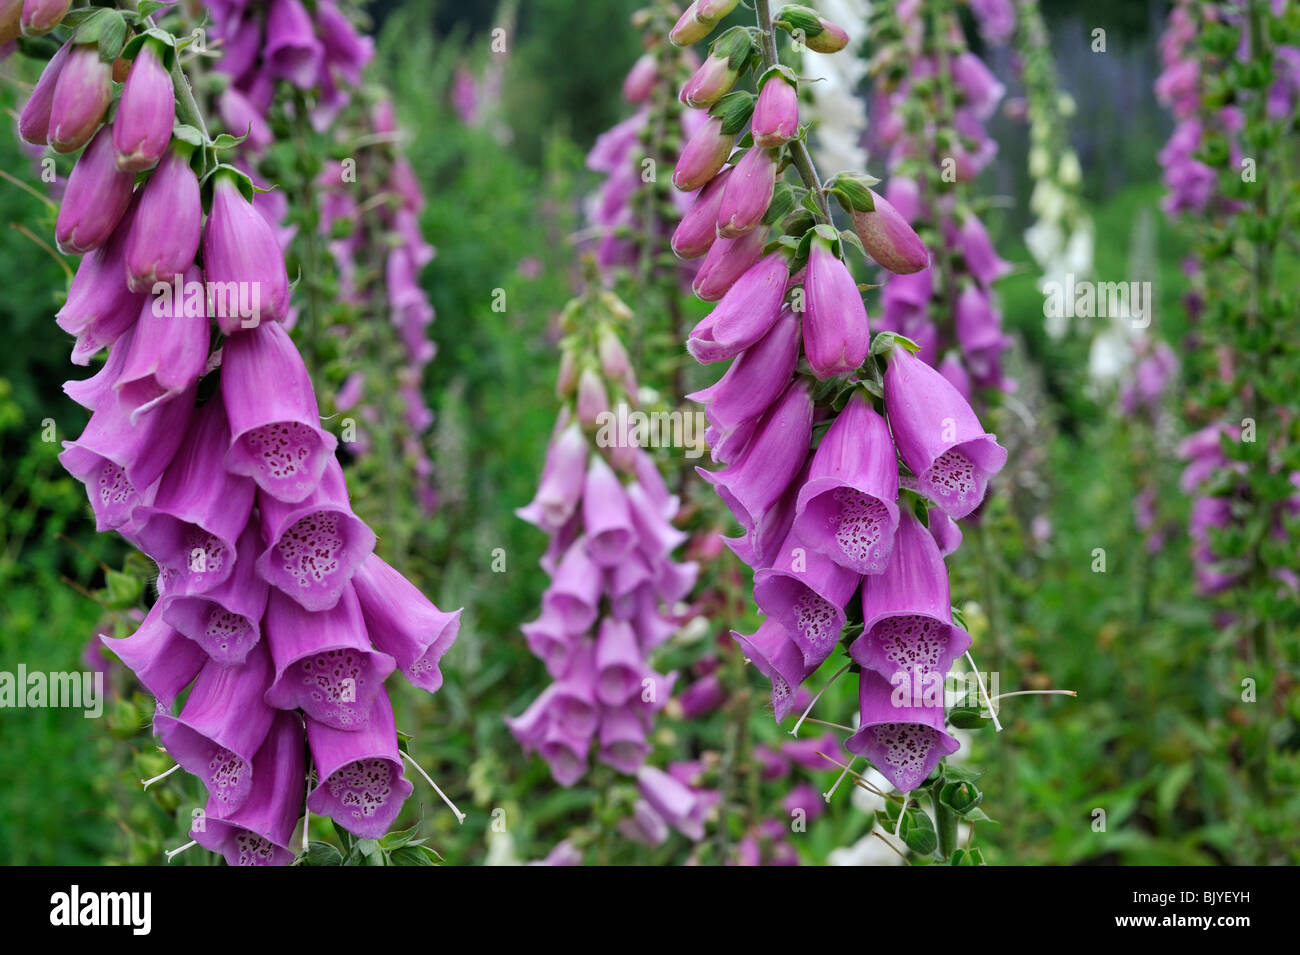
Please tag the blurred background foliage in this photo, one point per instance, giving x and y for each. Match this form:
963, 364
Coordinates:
1144, 738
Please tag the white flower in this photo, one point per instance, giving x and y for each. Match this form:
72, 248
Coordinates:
869, 850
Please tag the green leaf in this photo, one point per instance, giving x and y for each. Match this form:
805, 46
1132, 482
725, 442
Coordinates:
918, 832
112, 37
414, 855
320, 853
396, 840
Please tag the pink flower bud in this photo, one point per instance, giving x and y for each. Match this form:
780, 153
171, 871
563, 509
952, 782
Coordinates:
699, 227
165, 232
835, 332
748, 193
42, 16
832, 39
888, 238
727, 261
641, 79
142, 127
81, 96
689, 29
776, 115
240, 251
34, 123
712, 81
704, 154
97, 195
243, 119
592, 397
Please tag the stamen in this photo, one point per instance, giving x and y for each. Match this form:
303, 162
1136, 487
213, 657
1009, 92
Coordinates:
831, 792
898, 826
146, 783
1003, 696
795, 729
460, 816
835, 726
993, 714
175, 852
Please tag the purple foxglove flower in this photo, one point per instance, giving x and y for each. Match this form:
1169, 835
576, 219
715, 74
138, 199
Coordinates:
702, 697
938, 435
100, 308
560, 489
548, 640
575, 591
81, 95
747, 311
529, 727
640, 80
703, 156
904, 197
755, 482
42, 16
906, 300
726, 261
345, 48
907, 611
574, 709
119, 461
695, 234
955, 372
981, 259
194, 524
142, 127
242, 118
753, 381
624, 585
222, 725
619, 663
775, 655
945, 531
977, 323
680, 806
324, 662
404, 623
888, 238
159, 656
835, 331
242, 256
644, 826
276, 437
982, 89
622, 739
165, 229
748, 193
675, 580
226, 620
95, 200
760, 547
652, 629
89, 392
166, 353
806, 592
904, 743
776, 114
606, 518
593, 399
258, 832
292, 51
34, 121
314, 546
361, 785
803, 751
565, 754
803, 796
846, 510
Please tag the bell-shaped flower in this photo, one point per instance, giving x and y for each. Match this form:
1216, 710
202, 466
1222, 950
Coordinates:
160, 656
100, 308
904, 742
606, 518
907, 623
656, 536
166, 353
622, 740
759, 477
619, 663
750, 385
776, 114
196, 518
982, 89
747, 311
360, 783
89, 392
314, 546
292, 51
275, 433
165, 230
680, 806
242, 262
146, 113
695, 234
34, 121
846, 510
575, 591
258, 832
703, 156
550, 642
226, 620
119, 461
835, 331
726, 261
805, 591
976, 247
242, 118
81, 95
96, 197
561, 485
775, 655
888, 238
938, 436
324, 662
748, 193
404, 623
221, 727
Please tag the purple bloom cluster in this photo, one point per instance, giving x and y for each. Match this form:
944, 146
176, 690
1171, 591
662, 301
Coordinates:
612, 576
667, 800
273, 610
